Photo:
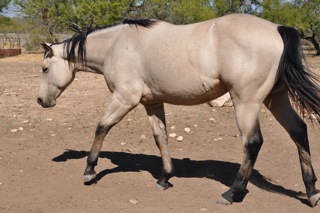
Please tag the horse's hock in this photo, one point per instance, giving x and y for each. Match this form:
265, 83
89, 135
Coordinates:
9, 46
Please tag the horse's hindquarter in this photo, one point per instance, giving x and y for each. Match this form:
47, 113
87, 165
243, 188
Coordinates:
249, 51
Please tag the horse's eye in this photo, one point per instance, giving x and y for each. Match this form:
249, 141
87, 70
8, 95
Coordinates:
44, 70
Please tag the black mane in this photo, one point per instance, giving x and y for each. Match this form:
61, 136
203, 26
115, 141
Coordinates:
147, 23
79, 39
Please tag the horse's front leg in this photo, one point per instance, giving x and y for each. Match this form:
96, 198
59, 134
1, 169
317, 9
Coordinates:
117, 109
157, 119
248, 123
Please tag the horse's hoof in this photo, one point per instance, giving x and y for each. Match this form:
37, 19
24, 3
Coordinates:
314, 199
159, 187
163, 186
89, 177
223, 201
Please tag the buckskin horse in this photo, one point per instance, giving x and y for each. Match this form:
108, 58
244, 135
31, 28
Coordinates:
153, 62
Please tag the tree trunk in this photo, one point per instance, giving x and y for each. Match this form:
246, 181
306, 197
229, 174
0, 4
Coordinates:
313, 40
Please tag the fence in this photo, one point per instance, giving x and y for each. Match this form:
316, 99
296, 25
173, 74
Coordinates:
10, 46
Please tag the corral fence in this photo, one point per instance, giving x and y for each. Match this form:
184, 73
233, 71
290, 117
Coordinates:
10, 46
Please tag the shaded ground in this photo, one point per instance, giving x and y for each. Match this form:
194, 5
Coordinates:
43, 154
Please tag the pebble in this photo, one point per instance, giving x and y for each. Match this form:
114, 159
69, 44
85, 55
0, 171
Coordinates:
203, 209
53, 135
123, 143
180, 138
49, 119
20, 128
172, 135
133, 201
187, 130
14, 130
26, 121
142, 137
172, 127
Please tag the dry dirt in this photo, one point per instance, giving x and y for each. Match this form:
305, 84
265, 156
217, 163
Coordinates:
43, 154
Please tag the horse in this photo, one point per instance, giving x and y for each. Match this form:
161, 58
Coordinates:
152, 62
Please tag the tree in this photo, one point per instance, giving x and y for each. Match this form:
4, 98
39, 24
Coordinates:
311, 14
190, 11
56, 14
223, 7
4, 5
301, 14
174, 11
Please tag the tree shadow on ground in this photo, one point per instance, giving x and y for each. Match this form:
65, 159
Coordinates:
221, 171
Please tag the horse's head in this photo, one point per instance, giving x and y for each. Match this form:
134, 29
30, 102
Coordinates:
56, 75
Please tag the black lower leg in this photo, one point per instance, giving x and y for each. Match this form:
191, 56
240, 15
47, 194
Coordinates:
238, 189
164, 179
92, 159
299, 136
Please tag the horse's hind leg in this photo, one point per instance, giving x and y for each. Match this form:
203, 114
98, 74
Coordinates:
116, 110
157, 119
282, 110
248, 123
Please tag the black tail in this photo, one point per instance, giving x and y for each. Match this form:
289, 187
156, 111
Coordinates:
303, 85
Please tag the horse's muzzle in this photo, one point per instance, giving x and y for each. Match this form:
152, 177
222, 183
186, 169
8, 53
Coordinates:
47, 104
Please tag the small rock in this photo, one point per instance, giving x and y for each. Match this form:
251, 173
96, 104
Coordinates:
133, 201
26, 121
20, 128
203, 209
129, 119
49, 119
172, 127
14, 130
187, 130
123, 143
217, 139
53, 135
172, 135
212, 119
180, 138
236, 135
142, 137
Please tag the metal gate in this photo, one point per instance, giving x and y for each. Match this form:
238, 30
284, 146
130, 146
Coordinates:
10, 46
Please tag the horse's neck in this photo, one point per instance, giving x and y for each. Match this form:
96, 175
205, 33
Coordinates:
98, 46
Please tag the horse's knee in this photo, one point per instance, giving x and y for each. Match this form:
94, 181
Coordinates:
253, 145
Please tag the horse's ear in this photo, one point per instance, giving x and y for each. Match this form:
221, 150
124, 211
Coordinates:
47, 47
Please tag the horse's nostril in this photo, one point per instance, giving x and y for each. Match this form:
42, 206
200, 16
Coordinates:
39, 100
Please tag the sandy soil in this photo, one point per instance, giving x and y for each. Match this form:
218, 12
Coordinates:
43, 154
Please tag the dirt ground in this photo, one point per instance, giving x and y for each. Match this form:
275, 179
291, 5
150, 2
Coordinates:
43, 154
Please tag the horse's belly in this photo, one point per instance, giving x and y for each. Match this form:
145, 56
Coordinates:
184, 91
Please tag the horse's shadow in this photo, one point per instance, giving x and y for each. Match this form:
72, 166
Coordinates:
221, 171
